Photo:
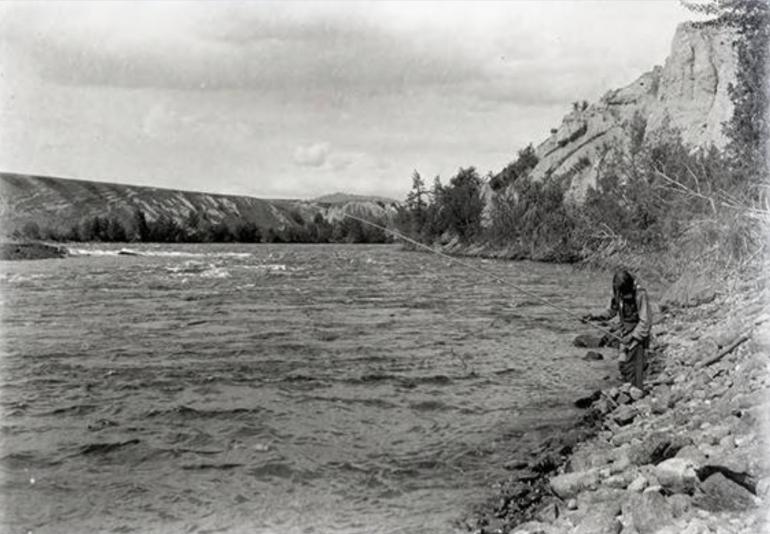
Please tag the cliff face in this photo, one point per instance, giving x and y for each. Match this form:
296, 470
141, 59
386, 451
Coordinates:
689, 93
60, 203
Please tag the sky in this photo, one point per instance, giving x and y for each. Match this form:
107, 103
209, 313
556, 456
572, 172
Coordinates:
300, 99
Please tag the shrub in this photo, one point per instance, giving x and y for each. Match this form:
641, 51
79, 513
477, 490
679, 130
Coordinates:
525, 161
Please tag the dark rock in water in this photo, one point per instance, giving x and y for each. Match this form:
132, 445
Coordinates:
30, 251
588, 341
128, 252
516, 465
719, 493
649, 512
585, 402
609, 341
593, 356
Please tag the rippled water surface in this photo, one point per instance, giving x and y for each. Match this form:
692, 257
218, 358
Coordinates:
275, 388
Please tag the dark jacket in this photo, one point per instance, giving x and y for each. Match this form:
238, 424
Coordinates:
634, 315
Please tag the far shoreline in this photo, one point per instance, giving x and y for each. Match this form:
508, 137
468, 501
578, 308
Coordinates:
31, 251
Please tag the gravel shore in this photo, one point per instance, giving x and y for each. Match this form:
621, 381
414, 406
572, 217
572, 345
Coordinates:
688, 455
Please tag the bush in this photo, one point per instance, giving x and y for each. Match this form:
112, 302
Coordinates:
532, 219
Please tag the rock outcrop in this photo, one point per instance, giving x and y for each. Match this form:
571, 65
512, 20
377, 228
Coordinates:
689, 93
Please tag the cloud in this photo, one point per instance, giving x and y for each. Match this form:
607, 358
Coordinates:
314, 155
320, 155
353, 95
331, 53
243, 47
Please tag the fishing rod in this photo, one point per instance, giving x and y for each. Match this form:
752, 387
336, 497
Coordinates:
493, 276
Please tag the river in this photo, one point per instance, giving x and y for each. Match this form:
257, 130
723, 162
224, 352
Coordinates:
276, 388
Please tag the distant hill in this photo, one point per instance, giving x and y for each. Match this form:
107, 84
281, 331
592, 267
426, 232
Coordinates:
343, 198
58, 204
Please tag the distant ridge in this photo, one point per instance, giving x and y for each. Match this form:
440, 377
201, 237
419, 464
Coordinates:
61, 203
343, 198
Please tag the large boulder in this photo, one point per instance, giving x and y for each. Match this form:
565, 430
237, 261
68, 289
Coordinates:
692, 453
657, 447
624, 415
677, 475
648, 512
570, 484
718, 493
600, 519
680, 504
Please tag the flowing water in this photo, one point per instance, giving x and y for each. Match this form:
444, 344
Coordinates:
275, 388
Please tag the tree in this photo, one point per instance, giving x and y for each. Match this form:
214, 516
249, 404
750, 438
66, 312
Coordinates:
462, 203
323, 229
31, 230
411, 218
247, 232
165, 230
140, 225
416, 200
273, 235
114, 230
748, 131
221, 233
435, 220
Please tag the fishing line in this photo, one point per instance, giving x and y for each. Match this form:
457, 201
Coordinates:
491, 275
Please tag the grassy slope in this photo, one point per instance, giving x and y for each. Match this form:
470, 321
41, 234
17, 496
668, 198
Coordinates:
61, 203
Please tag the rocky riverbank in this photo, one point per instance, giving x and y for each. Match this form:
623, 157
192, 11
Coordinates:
689, 455
31, 251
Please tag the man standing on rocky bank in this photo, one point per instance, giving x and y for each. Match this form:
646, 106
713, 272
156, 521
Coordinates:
629, 302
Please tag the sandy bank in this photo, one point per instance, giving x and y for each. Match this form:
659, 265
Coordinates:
690, 456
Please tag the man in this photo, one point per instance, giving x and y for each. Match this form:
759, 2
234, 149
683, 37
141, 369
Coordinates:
629, 302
